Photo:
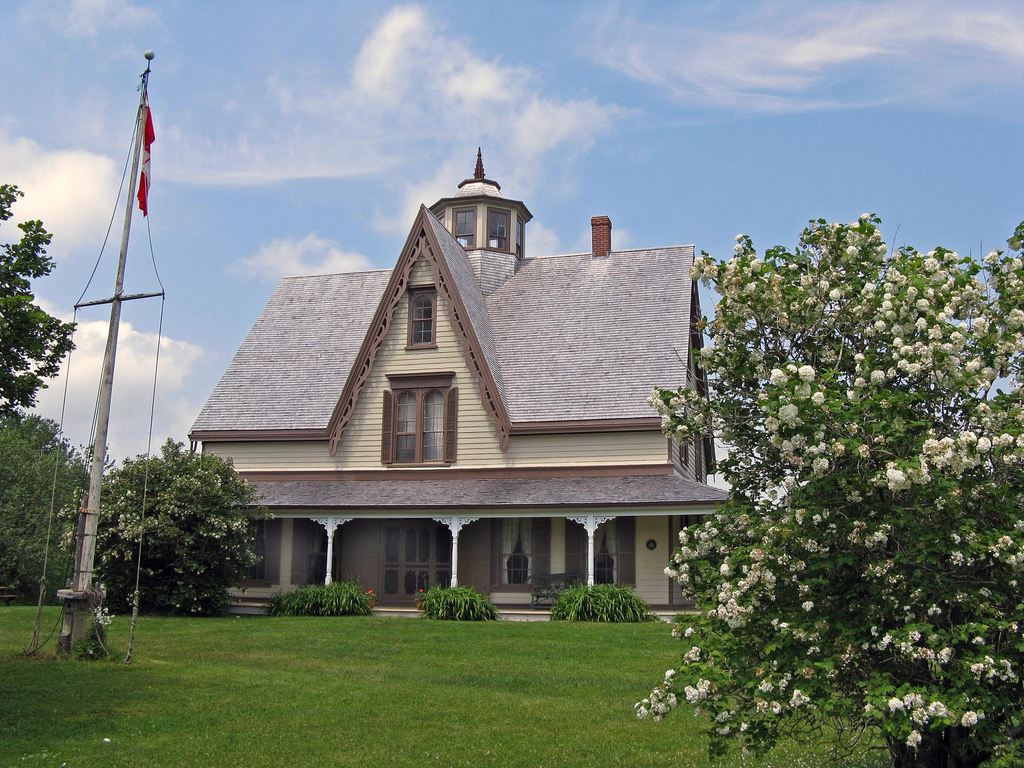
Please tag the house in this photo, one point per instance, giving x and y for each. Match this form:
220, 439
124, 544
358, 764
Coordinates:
471, 416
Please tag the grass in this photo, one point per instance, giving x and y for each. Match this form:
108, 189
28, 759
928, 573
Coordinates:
353, 691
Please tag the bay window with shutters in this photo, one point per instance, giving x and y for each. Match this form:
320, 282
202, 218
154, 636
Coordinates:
420, 420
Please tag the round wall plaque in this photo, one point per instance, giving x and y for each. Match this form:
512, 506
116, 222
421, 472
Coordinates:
652, 544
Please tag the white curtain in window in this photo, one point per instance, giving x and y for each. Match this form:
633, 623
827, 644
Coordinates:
433, 426
516, 539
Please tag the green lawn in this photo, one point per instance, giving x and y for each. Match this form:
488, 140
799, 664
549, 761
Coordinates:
257, 691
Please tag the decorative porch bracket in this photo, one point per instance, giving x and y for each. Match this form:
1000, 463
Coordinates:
455, 524
590, 523
330, 523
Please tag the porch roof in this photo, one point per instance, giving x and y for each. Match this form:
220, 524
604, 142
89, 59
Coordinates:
494, 493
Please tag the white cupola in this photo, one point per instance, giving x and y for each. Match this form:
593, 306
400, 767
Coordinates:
490, 227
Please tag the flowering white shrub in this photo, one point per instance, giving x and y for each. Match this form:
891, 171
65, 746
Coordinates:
872, 549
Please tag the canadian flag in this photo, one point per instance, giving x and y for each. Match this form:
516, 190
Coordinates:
144, 179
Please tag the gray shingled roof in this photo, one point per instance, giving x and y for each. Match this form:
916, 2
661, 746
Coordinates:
585, 338
631, 490
567, 338
291, 368
472, 297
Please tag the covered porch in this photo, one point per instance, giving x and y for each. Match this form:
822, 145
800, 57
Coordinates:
420, 536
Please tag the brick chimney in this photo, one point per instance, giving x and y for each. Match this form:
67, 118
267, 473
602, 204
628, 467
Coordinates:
601, 228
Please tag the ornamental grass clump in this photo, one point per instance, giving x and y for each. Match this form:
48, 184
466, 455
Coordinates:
866, 574
341, 598
601, 602
456, 604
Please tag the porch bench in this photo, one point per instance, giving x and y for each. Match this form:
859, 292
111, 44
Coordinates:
6, 595
546, 587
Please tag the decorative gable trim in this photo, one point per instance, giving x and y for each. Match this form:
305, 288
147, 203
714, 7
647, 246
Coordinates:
421, 241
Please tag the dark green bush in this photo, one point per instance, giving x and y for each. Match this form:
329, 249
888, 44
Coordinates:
197, 537
456, 604
341, 598
601, 602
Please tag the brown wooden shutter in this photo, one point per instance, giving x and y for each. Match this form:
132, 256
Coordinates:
575, 549
387, 428
626, 544
496, 552
451, 424
709, 454
541, 546
273, 551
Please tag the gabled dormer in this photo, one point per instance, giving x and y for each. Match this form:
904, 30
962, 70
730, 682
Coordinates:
490, 227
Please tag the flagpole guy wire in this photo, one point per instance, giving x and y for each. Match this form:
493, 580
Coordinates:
36, 633
82, 599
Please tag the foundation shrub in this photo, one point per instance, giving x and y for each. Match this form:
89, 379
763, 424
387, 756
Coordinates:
601, 602
341, 598
456, 604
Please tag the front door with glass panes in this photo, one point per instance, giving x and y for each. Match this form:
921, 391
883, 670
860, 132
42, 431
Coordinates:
417, 555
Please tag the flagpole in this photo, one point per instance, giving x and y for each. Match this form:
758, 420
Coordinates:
81, 598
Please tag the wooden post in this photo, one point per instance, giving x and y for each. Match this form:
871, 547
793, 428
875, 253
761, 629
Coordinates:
590, 524
455, 524
330, 524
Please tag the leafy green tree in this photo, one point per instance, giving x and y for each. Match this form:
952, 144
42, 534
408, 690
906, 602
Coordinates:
32, 343
29, 449
865, 574
198, 540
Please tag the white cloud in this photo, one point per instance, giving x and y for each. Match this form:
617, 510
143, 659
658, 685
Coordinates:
71, 191
88, 18
788, 57
413, 194
312, 255
541, 240
133, 387
389, 57
416, 98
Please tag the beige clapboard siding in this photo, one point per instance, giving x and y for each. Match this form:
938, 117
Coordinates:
651, 581
422, 274
359, 447
588, 448
608, 449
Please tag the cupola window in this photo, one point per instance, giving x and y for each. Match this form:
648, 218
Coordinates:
465, 227
497, 229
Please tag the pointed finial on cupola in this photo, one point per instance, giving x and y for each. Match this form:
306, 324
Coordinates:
475, 183
478, 172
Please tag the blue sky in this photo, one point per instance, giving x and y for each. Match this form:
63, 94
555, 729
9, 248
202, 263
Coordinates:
302, 137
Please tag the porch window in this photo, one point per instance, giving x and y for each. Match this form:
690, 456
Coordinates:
516, 557
605, 552
258, 570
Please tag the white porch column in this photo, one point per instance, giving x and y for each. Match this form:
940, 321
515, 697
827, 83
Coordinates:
330, 523
455, 524
590, 523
